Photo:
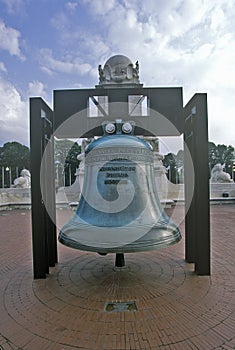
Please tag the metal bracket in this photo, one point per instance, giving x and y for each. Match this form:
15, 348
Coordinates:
47, 120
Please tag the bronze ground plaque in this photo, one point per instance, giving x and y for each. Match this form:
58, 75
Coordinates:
121, 306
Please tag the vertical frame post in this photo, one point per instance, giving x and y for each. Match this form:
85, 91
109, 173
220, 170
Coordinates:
197, 223
43, 225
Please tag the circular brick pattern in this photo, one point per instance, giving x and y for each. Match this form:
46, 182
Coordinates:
176, 308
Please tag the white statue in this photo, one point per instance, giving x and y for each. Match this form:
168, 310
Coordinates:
119, 69
81, 156
23, 181
218, 175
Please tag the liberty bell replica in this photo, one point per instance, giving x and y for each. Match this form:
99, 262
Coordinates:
119, 210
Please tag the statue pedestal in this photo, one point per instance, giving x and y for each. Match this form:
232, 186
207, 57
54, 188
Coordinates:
217, 190
71, 193
9, 196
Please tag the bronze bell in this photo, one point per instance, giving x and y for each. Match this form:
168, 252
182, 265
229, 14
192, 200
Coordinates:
119, 210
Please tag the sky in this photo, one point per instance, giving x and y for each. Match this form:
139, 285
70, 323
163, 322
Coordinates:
47, 45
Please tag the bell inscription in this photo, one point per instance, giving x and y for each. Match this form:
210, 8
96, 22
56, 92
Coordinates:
117, 173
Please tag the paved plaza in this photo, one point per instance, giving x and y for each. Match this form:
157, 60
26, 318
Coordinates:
176, 309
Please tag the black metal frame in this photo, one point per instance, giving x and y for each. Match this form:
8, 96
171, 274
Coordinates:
197, 221
43, 225
190, 120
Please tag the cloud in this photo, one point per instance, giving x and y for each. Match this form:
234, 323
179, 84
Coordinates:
189, 43
14, 123
178, 43
14, 6
164, 32
60, 21
221, 116
2, 67
101, 7
36, 89
74, 37
70, 64
9, 40
71, 5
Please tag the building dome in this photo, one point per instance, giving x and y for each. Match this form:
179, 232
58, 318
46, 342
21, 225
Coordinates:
118, 60
118, 70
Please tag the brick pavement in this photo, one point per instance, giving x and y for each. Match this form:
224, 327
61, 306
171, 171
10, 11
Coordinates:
176, 308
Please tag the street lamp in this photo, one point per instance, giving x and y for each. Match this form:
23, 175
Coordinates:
8, 171
176, 174
233, 170
3, 179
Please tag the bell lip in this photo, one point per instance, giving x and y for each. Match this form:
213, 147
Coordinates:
147, 245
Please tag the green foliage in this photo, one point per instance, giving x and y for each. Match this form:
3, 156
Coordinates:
13, 156
62, 148
217, 154
221, 154
66, 162
174, 164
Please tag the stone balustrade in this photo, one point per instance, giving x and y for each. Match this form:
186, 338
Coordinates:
168, 193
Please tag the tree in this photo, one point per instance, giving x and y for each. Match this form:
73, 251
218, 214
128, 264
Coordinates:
221, 154
71, 163
169, 161
66, 162
174, 163
217, 154
13, 156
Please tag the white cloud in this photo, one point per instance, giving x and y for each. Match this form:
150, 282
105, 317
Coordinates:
183, 42
221, 117
60, 21
187, 43
37, 88
69, 65
13, 114
74, 38
71, 5
101, 7
9, 40
14, 6
2, 67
